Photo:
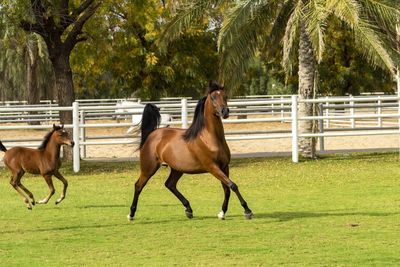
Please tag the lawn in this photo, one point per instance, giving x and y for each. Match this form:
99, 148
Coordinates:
337, 211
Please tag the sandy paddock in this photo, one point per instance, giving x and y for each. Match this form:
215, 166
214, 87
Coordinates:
237, 147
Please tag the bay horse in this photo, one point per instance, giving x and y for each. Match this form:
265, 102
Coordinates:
44, 160
201, 148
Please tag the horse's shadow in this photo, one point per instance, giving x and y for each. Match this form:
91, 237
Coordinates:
283, 216
279, 216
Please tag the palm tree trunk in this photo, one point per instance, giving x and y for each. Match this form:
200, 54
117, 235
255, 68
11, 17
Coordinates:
306, 91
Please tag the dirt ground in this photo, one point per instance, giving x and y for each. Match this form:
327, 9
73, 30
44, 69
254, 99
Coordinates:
237, 147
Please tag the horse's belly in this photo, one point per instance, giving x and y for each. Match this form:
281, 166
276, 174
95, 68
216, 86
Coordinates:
180, 159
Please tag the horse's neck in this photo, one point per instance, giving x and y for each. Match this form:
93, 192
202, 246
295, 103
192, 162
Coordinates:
213, 124
53, 149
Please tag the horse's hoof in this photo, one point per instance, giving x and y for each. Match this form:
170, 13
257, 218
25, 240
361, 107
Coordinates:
189, 214
221, 215
130, 218
58, 201
248, 215
29, 207
33, 203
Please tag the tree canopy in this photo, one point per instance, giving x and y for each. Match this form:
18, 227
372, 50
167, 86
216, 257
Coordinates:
122, 56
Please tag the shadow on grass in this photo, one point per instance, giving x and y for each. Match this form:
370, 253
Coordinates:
280, 216
288, 216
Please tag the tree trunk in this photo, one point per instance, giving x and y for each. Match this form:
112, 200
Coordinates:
31, 80
306, 90
65, 92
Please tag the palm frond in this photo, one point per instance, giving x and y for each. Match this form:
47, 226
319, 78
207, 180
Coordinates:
384, 14
243, 30
187, 15
346, 10
276, 34
290, 37
372, 46
316, 21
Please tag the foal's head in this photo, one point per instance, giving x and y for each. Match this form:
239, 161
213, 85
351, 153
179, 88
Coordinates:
62, 137
218, 99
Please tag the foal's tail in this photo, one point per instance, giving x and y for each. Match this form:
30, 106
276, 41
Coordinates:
150, 121
2, 147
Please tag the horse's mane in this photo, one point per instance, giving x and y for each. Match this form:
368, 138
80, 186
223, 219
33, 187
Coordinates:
198, 118
47, 137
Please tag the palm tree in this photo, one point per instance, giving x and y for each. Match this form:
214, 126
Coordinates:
299, 27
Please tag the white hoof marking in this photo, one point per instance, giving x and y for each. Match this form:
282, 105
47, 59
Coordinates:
248, 215
130, 218
221, 215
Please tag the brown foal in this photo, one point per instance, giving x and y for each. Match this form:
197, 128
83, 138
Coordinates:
44, 160
201, 148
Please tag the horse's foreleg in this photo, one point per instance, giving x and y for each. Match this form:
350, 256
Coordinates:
49, 182
220, 175
58, 175
227, 194
14, 183
171, 182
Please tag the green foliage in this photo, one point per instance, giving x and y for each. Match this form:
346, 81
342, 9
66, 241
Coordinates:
127, 60
344, 71
341, 210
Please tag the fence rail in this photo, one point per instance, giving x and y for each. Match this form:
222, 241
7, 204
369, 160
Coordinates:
337, 116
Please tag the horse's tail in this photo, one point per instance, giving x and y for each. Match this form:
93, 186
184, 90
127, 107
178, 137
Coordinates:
150, 121
2, 147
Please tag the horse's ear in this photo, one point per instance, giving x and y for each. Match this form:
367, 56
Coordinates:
54, 126
62, 126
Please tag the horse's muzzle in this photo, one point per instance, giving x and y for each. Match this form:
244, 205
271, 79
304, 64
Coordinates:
225, 113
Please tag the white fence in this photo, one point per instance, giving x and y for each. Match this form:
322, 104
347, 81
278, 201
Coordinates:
338, 116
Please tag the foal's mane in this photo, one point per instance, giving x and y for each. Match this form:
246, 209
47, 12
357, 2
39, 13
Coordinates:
47, 137
198, 119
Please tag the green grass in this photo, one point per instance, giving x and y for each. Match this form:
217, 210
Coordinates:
337, 211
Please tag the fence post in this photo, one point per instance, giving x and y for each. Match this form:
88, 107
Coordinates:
295, 137
75, 134
379, 111
321, 128
282, 109
184, 113
83, 133
327, 113
352, 120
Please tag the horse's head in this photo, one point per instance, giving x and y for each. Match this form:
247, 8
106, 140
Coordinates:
61, 136
218, 99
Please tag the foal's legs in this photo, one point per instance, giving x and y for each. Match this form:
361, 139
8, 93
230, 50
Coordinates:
15, 183
145, 174
58, 175
171, 182
29, 193
49, 181
220, 175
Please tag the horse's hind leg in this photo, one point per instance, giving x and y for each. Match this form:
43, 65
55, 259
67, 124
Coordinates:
29, 193
139, 185
49, 182
15, 183
58, 175
171, 182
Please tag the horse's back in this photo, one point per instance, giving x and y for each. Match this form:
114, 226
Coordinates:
22, 158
